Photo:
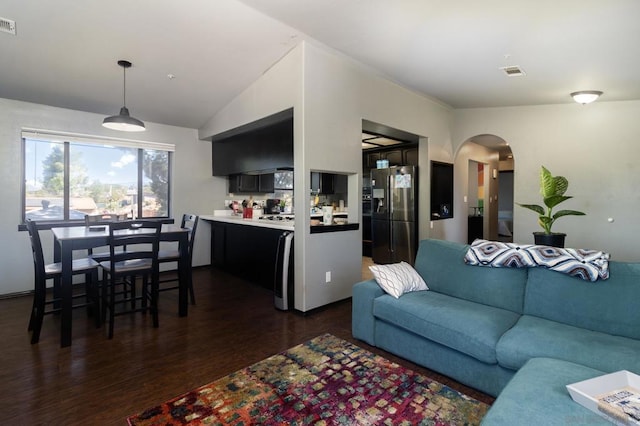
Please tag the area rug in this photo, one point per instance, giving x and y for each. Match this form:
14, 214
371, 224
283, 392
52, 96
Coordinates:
325, 381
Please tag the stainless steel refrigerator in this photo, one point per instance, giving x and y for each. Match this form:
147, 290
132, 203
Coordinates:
394, 228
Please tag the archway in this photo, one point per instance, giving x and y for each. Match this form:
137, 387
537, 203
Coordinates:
485, 167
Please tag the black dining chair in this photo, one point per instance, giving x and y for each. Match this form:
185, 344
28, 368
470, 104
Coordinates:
190, 222
123, 267
48, 302
101, 220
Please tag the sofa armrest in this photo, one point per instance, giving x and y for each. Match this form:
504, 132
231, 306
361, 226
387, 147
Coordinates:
362, 319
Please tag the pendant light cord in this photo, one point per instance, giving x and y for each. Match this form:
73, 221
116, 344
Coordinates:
124, 86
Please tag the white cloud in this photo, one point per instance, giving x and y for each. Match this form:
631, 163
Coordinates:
124, 160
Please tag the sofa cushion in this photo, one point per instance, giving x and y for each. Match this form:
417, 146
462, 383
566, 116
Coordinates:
441, 264
537, 395
471, 328
609, 306
398, 278
535, 337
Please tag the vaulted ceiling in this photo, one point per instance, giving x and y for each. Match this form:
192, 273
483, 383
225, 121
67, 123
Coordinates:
65, 52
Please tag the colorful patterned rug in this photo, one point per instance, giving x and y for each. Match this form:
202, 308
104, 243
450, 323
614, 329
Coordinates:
325, 381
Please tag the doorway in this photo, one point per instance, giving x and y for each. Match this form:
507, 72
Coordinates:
477, 200
487, 161
382, 147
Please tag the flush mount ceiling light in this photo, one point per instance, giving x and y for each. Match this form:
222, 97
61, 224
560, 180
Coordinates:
124, 121
586, 96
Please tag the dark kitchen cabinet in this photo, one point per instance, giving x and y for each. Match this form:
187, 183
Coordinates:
340, 183
243, 183
411, 156
394, 156
322, 183
265, 144
265, 183
218, 242
234, 246
402, 155
370, 159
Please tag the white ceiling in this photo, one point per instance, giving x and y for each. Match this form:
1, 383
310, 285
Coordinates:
65, 51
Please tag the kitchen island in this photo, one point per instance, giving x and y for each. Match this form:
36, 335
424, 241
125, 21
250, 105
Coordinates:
248, 248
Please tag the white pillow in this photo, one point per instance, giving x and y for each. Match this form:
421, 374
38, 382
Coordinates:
398, 278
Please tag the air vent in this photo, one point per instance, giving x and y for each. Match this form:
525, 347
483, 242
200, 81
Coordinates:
513, 71
7, 26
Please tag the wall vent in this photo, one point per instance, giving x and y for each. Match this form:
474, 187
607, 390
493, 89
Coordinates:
7, 26
513, 71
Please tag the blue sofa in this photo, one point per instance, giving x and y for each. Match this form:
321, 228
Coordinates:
481, 325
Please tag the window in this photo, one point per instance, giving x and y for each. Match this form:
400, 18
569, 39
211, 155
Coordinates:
68, 176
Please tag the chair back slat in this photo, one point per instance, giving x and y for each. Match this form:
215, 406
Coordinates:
143, 234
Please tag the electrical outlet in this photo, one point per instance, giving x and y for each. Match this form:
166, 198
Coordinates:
327, 277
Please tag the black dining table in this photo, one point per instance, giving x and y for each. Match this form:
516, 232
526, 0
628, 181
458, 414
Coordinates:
69, 239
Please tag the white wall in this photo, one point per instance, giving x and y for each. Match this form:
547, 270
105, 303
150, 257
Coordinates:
331, 94
339, 93
594, 146
191, 175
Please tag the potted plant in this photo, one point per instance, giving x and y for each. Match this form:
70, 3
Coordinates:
552, 189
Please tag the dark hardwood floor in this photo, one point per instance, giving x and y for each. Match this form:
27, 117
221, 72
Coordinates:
98, 381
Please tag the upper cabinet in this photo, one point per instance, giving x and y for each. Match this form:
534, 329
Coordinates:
411, 156
262, 145
322, 183
266, 183
244, 183
395, 157
328, 183
369, 159
399, 155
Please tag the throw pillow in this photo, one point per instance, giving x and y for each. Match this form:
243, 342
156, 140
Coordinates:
398, 278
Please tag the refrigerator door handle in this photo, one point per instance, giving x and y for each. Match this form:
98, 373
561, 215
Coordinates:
390, 216
389, 194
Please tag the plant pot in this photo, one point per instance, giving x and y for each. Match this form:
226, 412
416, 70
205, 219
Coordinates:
555, 239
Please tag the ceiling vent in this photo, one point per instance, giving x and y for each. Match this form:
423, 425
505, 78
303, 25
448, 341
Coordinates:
7, 26
513, 71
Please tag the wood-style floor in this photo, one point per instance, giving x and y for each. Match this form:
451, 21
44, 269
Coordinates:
98, 381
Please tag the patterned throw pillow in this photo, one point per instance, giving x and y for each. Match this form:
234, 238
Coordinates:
398, 278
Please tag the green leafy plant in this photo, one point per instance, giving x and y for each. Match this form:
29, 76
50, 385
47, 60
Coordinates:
552, 189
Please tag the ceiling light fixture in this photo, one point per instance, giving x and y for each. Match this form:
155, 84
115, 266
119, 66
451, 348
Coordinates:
586, 96
124, 121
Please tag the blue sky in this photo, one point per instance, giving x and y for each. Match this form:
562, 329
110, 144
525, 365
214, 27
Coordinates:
114, 165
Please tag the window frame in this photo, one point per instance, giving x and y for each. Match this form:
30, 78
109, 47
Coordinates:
67, 140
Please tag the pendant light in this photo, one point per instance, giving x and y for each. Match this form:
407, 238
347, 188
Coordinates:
124, 121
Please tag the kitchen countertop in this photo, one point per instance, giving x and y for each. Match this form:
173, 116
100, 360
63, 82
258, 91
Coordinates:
322, 229
288, 226
335, 214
